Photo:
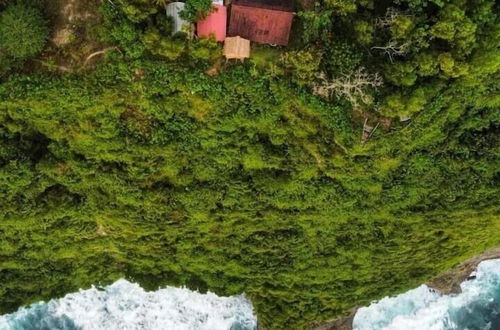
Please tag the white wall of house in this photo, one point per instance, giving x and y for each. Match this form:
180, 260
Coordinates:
173, 10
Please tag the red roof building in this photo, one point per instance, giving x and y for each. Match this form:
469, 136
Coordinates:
262, 21
214, 24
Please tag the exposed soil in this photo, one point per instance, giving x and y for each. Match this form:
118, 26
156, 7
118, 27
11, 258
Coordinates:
74, 34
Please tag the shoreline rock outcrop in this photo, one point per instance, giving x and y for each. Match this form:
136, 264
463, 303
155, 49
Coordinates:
446, 283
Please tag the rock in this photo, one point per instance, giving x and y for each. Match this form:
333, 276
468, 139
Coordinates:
62, 37
446, 283
212, 72
449, 282
100, 230
343, 323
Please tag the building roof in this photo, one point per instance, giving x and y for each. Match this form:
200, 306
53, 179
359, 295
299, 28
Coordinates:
262, 25
237, 48
282, 5
214, 24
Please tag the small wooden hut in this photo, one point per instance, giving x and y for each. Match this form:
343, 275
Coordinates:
236, 48
214, 24
262, 21
179, 25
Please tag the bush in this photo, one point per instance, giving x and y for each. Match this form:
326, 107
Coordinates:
23, 31
196, 10
303, 64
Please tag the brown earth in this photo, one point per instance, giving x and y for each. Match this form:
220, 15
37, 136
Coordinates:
74, 33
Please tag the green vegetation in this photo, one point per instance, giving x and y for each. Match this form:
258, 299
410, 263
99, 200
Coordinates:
23, 34
255, 179
195, 10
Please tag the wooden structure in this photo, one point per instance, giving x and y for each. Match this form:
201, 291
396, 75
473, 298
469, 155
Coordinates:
368, 131
262, 21
214, 24
236, 48
179, 25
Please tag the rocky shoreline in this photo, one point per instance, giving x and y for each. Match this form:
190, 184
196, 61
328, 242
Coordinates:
449, 282
446, 283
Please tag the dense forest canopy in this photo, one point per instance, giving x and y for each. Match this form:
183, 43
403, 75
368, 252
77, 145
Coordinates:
128, 152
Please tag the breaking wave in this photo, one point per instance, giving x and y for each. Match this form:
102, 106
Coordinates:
477, 307
126, 306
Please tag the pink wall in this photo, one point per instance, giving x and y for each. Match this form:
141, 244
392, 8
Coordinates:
214, 23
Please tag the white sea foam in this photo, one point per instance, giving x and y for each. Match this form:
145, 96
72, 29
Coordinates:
476, 307
126, 306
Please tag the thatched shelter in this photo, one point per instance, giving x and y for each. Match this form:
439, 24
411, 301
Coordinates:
236, 48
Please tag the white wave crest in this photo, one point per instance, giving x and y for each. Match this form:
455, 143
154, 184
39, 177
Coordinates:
126, 306
476, 307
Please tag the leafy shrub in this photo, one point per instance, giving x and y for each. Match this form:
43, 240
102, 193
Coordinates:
404, 105
340, 56
195, 10
363, 32
121, 30
160, 45
23, 31
204, 49
137, 10
303, 64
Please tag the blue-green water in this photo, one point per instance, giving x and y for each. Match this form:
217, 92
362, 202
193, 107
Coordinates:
126, 306
477, 307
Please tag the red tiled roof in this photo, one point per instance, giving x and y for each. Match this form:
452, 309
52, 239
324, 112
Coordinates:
260, 25
282, 5
214, 24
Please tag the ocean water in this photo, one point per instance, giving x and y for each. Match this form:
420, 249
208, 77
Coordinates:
477, 307
126, 306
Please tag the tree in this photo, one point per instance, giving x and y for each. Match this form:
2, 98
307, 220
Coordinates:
354, 87
456, 28
137, 10
315, 24
195, 10
404, 105
303, 64
364, 32
23, 31
346, 7
406, 33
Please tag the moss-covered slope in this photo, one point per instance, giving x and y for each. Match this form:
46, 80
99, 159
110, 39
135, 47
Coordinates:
169, 176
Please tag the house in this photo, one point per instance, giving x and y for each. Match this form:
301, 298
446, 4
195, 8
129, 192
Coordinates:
236, 48
215, 23
179, 25
262, 21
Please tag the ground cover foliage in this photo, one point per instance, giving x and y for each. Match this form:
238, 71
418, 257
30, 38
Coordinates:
251, 180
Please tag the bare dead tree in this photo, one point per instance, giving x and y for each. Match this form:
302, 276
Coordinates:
391, 15
394, 47
353, 86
